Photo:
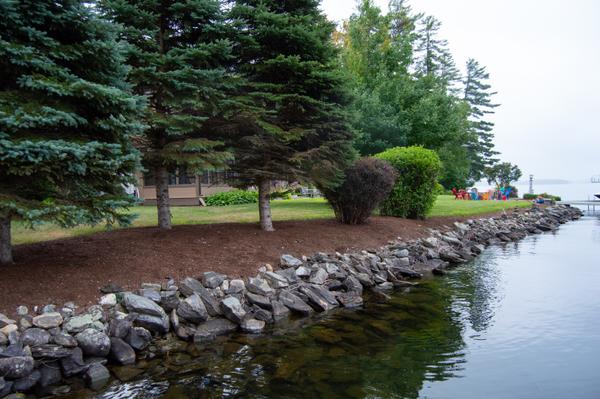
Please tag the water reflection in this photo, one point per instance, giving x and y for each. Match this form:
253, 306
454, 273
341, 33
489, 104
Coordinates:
488, 329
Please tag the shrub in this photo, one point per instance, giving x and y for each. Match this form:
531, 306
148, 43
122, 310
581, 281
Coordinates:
544, 195
414, 193
366, 184
236, 197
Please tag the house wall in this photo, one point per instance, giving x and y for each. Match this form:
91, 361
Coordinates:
182, 194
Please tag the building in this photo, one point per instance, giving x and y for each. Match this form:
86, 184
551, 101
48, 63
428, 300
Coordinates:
186, 189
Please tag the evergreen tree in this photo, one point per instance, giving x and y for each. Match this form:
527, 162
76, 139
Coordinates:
293, 126
178, 54
478, 94
65, 117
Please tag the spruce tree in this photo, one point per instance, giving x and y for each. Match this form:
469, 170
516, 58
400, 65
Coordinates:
293, 126
177, 52
65, 118
478, 94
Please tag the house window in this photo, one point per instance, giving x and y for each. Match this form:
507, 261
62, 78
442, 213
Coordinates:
176, 178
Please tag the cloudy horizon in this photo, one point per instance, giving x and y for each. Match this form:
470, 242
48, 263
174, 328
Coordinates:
543, 62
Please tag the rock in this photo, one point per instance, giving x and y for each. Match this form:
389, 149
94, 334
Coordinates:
236, 287
319, 298
26, 322
155, 324
49, 374
258, 300
111, 288
350, 299
275, 280
145, 306
79, 323
151, 286
294, 303
387, 286
5, 321
151, 294
3, 339
212, 328
22, 310
93, 343
319, 276
233, 310
365, 279
189, 286
259, 286
51, 351
96, 376
169, 300
5, 387
121, 352
108, 300
119, 328
25, 384
303, 271
289, 275
262, 314
253, 326
35, 337
14, 349
73, 364
51, 308
212, 279
139, 338
16, 367
289, 261
8, 329
192, 309
279, 310
400, 253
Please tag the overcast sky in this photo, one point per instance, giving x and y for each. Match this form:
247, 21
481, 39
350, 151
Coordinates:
544, 61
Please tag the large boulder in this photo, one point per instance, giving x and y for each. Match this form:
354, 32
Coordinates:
155, 324
48, 320
79, 323
144, 306
96, 376
66, 340
212, 328
294, 303
35, 337
169, 300
16, 367
93, 343
259, 286
233, 310
190, 286
275, 280
259, 300
289, 261
319, 276
139, 338
212, 279
192, 309
121, 352
50, 351
319, 298
73, 364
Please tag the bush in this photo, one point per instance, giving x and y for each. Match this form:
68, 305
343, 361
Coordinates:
366, 184
414, 193
236, 197
544, 195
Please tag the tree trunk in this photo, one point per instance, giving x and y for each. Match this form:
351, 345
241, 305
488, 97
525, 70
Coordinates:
5, 244
161, 175
264, 205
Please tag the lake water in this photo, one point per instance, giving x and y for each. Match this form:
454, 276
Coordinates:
567, 191
521, 321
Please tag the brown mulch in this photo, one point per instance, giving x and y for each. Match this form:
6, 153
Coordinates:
74, 269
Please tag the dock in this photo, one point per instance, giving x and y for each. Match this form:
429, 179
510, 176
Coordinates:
590, 204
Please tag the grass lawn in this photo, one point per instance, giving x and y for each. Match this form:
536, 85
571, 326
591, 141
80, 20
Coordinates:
299, 209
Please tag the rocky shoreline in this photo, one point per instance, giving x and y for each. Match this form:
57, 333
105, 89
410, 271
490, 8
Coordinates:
45, 348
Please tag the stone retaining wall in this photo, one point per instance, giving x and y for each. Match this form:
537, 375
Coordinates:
44, 348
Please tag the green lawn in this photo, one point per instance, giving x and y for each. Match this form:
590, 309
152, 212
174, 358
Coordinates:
299, 209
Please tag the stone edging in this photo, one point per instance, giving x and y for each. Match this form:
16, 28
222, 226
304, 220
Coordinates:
40, 351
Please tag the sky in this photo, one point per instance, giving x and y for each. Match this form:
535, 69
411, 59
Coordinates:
544, 61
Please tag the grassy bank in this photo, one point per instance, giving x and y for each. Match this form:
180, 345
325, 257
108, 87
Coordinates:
300, 209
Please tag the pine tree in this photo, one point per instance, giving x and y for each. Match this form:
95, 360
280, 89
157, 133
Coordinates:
478, 94
294, 126
178, 54
65, 118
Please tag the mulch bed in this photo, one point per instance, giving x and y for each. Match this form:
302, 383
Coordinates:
74, 269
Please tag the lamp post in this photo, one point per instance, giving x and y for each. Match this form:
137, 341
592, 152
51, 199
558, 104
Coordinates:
531, 185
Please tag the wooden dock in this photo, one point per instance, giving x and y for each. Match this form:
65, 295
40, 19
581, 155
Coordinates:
590, 204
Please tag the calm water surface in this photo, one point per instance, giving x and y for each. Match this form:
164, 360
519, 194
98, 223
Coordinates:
522, 321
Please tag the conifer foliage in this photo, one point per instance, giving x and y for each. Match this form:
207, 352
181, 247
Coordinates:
293, 126
65, 117
177, 51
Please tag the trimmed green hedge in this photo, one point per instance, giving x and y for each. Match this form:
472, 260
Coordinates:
235, 197
543, 195
414, 193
